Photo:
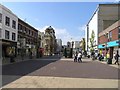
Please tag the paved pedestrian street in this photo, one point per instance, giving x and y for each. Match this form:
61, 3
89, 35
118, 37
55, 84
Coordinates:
60, 73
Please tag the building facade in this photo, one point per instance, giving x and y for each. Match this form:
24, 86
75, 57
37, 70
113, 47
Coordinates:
59, 45
41, 35
76, 46
103, 17
8, 31
27, 38
49, 41
109, 39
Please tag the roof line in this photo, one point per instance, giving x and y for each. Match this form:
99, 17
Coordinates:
93, 14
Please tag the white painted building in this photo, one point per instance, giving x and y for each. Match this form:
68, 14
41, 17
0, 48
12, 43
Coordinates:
8, 30
104, 16
8, 24
59, 45
76, 44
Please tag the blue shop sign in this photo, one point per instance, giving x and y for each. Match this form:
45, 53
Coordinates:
113, 43
110, 44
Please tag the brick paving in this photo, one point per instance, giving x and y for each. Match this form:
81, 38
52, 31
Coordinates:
42, 73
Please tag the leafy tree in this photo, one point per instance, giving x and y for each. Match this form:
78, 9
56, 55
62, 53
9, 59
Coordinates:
83, 44
92, 41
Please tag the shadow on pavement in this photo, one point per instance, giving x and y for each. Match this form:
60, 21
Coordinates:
14, 71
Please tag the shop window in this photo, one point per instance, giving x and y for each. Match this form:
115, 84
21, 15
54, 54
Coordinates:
7, 21
7, 33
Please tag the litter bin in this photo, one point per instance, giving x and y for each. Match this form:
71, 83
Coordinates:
109, 61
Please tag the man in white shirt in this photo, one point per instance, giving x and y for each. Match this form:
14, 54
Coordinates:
79, 57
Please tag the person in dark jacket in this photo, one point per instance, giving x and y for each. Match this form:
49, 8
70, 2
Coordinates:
117, 58
75, 57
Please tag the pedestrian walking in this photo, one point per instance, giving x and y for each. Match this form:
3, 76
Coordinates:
75, 57
114, 56
109, 60
117, 58
79, 57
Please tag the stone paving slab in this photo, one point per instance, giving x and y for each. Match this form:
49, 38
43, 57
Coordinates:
61, 82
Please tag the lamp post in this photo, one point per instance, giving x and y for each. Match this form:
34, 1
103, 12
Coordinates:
71, 50
72, 47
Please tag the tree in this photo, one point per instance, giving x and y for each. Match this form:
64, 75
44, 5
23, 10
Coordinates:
83, 44
92, 41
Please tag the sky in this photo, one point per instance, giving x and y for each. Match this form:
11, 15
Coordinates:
67, 18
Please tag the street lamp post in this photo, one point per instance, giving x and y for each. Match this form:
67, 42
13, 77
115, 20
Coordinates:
71, 50
72, 47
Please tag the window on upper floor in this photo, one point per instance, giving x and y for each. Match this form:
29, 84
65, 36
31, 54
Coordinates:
110, 36
23, 29
32, 33
0, 18
13, 36
29, 32
19, 37
7, 34
7, 21
119, 32
14, 24
19, 27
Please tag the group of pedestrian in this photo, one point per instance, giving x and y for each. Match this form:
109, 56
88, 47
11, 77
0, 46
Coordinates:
77, 57
109, 59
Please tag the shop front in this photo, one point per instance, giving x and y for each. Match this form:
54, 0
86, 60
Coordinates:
9, 48
109, 47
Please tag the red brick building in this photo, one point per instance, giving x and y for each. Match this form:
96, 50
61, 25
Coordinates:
109, 39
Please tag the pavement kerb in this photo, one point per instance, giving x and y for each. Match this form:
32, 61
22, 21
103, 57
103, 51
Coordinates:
112, 65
